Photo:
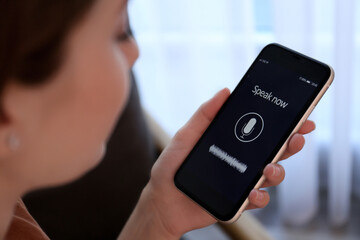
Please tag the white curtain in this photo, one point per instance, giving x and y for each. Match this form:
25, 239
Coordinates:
192, 48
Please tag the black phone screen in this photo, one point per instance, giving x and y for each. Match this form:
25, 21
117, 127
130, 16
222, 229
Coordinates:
250, 129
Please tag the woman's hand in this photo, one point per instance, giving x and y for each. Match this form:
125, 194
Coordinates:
171, 209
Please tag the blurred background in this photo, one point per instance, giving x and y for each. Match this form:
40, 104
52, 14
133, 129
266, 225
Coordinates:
190, 49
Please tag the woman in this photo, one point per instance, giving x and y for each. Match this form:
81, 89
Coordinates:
63, 83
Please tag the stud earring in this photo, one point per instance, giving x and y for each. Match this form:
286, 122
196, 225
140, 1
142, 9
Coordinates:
13, 141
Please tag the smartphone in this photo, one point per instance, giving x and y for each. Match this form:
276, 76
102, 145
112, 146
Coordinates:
252, 128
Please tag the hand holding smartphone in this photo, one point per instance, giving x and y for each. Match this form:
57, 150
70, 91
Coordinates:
251, 129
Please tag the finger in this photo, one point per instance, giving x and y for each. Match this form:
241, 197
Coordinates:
190, 133
307, 127
258, 199
295, 144
274, 175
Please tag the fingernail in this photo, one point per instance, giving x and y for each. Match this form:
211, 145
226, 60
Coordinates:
221, 91
276, 171
259, 196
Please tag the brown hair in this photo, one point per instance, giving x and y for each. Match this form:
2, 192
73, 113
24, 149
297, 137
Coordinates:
32, 34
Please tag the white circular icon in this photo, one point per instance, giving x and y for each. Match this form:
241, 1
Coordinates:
249, 127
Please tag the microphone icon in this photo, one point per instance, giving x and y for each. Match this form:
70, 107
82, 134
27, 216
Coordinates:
248, 128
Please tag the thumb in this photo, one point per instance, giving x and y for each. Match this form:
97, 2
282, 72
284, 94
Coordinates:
190, 133
187, 136
198, 123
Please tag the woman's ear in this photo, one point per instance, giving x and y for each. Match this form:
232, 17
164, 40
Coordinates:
9, 135
9, 138
9, 142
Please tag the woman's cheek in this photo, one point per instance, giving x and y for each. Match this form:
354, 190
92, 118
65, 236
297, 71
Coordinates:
122, 77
